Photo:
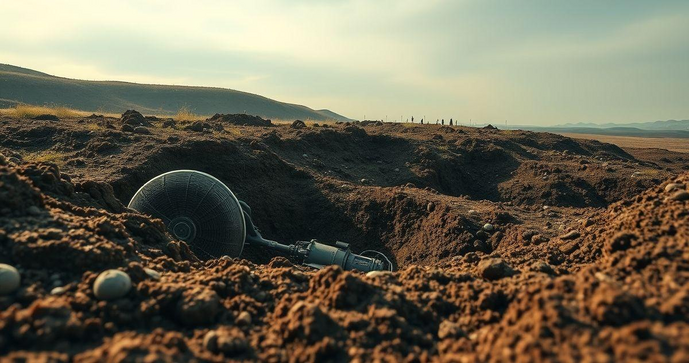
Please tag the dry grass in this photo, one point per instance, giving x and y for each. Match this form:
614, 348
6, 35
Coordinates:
184, 114
672, 144
48, 156
30, 111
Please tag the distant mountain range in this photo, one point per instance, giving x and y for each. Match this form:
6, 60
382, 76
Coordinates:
670, 128
21, 85
653, 125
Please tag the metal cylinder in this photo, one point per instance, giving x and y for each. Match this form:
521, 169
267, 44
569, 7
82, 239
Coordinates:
320, 255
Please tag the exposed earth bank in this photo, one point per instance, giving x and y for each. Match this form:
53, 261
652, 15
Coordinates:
586, 257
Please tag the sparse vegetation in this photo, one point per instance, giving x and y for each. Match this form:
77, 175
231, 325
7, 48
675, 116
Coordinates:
48, 156
184, 114
30, 111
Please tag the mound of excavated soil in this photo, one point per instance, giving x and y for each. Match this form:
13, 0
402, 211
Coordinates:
617, 292
134, 118
240, 119
510, 245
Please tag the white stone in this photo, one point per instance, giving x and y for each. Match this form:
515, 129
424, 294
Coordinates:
488, 227
152, 273
112, 284
9, 279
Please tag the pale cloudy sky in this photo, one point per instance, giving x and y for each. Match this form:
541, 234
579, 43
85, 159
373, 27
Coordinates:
529, 62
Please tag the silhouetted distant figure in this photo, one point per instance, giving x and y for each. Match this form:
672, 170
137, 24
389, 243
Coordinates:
442, 122
437, 121
412, 119
450, 122
422, 121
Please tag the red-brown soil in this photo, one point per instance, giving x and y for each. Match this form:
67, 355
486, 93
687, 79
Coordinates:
524, 291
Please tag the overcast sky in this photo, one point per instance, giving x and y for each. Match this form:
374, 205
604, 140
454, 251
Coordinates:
528, 62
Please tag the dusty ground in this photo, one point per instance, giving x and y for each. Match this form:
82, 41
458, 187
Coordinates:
588, 259
661, 143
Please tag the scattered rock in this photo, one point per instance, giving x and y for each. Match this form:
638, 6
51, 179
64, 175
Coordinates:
494, 269
9, 279
430, 207
672, 186
538, 239
240, 119
59, 290
142, 130
33, 210
127, 128
112, 284
243, 319
542, 266
680, 196
298, 124
571, 235
152, 273
488, 227
169, 124
197, 126
210, 341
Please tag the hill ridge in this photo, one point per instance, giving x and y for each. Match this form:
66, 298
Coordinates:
23, 85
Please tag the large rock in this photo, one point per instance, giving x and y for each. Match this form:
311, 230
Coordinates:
494, 269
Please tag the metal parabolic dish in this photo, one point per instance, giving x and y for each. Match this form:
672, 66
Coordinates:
196, 208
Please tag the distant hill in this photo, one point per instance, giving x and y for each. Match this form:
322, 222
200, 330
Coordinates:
21, 85
653, 125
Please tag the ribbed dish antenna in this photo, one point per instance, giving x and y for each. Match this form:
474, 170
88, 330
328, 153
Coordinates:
196, 208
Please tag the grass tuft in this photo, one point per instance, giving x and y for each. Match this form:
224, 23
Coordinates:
58, 158
30, 111
184, 114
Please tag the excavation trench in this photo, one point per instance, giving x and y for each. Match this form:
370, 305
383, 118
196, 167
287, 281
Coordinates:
289, 203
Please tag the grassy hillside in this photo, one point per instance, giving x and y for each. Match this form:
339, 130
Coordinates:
21, 85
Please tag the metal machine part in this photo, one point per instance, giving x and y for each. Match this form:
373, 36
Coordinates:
196, 208
202, 211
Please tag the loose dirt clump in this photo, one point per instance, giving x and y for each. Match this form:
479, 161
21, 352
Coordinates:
240, 120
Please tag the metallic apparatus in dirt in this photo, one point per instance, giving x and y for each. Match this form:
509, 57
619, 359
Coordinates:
202, 211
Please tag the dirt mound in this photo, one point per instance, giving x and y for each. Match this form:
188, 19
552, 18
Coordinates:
133, 118
240, 119
620, 295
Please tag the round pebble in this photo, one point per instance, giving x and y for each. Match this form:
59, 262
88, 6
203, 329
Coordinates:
58, 290
244, 318
9, 279
112, 284
672, 186
152, 273
488, 227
